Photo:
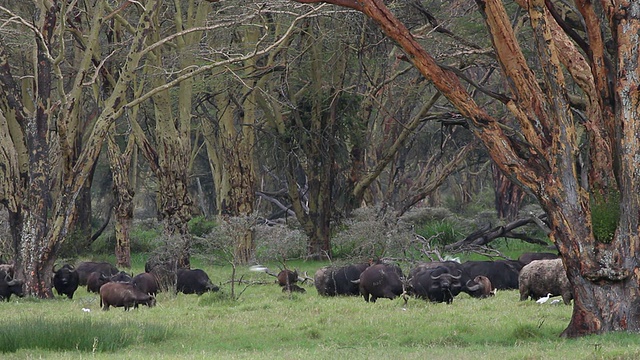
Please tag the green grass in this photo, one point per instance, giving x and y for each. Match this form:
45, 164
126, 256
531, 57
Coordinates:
264, 323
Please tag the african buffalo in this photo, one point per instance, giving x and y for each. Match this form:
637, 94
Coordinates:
381, 281
484, 290
96, 280
528, 257
332, 281
66, 280
146, 282
194, 281
123, 295
503, 274
164, 269
10, 286
287, 277
438, 284
7, 269
87, 267
121, 277
542, 277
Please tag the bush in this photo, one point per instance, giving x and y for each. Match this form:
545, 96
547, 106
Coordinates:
142, 240
373, 233
201, 226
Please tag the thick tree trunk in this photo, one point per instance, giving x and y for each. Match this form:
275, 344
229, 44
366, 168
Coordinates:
123, 196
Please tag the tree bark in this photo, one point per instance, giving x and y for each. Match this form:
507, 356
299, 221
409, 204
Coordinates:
604, 275
123, 196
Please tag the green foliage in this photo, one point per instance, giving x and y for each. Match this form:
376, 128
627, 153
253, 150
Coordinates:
77, 334
442, 232
142, 239
605, 213
201, 226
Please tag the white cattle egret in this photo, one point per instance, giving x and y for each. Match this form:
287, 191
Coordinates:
555, 302
258, 268
543, 300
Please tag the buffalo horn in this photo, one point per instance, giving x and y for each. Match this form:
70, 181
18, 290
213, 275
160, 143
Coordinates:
475, 287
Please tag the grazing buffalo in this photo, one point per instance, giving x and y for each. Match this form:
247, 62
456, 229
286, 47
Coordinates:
87, 267
332, 281
438, 284
542, 277
146, 282
503, 274
287, 277
121, 277
381, 281
194, 281
164, 269
10, 286
528, 257
66, 280
96, 280
123, 295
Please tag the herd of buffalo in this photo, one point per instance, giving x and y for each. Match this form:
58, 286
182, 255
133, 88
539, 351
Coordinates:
116, 288
535, 275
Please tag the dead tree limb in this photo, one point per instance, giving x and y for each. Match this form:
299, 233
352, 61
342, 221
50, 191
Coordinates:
487, 234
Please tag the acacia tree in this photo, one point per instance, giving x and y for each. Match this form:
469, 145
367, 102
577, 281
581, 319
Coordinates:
42, 118
542, 156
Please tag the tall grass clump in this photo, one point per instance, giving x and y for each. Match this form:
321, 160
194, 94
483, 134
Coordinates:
77, 335
441, 232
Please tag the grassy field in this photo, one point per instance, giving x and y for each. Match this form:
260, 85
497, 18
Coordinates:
265, 323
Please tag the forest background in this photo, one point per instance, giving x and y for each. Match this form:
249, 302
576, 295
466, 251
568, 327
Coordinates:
254, 112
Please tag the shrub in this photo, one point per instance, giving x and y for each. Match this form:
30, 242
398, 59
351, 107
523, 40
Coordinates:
373, 233
441, 232
201, 226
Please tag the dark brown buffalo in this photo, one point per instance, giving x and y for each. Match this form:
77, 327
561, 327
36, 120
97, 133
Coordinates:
10, 286
333, 281
503, 274
381, 281
122, 277
528, 257
440, 284
84, 269
95, 281
287, 277
146, 283
123, 295
65, 280
194, 281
